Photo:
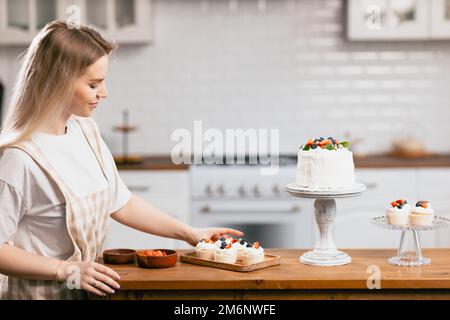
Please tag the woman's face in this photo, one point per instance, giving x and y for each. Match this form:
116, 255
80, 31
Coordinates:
90, 88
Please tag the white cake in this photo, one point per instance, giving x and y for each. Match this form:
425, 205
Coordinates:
325, 164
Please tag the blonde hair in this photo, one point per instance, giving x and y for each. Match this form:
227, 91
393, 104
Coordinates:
57, 56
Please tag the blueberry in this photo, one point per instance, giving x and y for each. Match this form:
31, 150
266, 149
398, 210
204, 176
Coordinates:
314, 146
222, 239
400, 206
321, 139
223, 245
249, 245
242, 241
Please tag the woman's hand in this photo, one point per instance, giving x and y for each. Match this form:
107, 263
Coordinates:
93, 277
211, 233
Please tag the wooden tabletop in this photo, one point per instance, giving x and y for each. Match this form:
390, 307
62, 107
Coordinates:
291, 274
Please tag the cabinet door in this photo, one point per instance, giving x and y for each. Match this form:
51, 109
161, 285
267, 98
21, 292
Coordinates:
126, 21
20, 20
167, 190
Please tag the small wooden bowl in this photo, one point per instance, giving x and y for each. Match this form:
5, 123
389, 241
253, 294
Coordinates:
119, 256
146, 261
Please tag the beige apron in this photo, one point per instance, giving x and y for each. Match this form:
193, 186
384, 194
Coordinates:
86, 219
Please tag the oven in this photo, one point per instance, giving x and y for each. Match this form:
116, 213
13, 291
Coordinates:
238, 196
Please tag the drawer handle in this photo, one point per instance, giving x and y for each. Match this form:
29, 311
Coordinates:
207, 209
138, 188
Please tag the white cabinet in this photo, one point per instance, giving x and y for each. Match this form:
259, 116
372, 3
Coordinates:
167, 190
433, 185
125, 21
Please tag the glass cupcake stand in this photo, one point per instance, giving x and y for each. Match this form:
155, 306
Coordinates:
325, 252
409, 252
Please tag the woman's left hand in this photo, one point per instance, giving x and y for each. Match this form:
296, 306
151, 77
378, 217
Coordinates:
211, 233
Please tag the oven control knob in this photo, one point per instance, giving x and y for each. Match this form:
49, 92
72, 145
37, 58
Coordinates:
221, 189
209, 190
257, 191
241, 191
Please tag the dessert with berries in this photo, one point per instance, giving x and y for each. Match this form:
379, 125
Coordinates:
325, 164
205, 249
253, 253
422, 214
226, 253
240, 245
398, 212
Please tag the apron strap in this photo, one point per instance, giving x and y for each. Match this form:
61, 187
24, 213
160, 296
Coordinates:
92, 135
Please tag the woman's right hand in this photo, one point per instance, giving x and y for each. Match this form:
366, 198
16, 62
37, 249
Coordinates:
93, 277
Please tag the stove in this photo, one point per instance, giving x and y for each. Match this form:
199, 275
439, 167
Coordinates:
239, 196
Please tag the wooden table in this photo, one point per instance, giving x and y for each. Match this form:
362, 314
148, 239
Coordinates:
293, 280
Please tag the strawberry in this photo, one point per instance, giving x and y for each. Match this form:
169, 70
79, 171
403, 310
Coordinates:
310, 142
228, 246
401, 201
394, 204
256, 245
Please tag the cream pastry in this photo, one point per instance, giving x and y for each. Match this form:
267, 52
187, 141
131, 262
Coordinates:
205, 249
422, 214
253, 254
226, 253
398, 213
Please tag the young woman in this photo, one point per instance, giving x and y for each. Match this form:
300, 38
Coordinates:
58, 181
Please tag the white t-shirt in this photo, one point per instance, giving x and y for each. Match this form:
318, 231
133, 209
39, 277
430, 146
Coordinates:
32, 207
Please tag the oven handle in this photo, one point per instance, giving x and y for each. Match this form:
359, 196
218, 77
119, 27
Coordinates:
207, 209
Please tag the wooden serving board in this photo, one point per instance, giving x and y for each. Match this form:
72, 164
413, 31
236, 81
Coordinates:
269, 261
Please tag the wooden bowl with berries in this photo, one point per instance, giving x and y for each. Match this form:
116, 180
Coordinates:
156, 258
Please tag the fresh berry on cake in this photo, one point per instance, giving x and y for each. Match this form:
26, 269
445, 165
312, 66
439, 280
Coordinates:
253, 253
225, 238
398, 212
226, 253
421, 214
205, 249
325, 164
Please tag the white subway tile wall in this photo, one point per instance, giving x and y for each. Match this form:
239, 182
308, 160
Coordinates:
282, 64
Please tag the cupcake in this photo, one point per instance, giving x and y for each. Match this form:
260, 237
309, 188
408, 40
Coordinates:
240, 245
205, 249
397, 214
253, 254
421, 214
226, 253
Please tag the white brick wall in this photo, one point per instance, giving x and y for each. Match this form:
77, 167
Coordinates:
273, 64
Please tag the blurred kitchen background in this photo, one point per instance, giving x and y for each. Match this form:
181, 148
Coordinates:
375, 72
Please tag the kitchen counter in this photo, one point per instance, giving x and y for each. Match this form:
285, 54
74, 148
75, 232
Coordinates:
370, 161
292, 280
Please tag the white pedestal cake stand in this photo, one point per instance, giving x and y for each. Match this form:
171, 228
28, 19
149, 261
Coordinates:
325, 252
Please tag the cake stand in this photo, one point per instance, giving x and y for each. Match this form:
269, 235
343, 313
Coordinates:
325, 252
410, 249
